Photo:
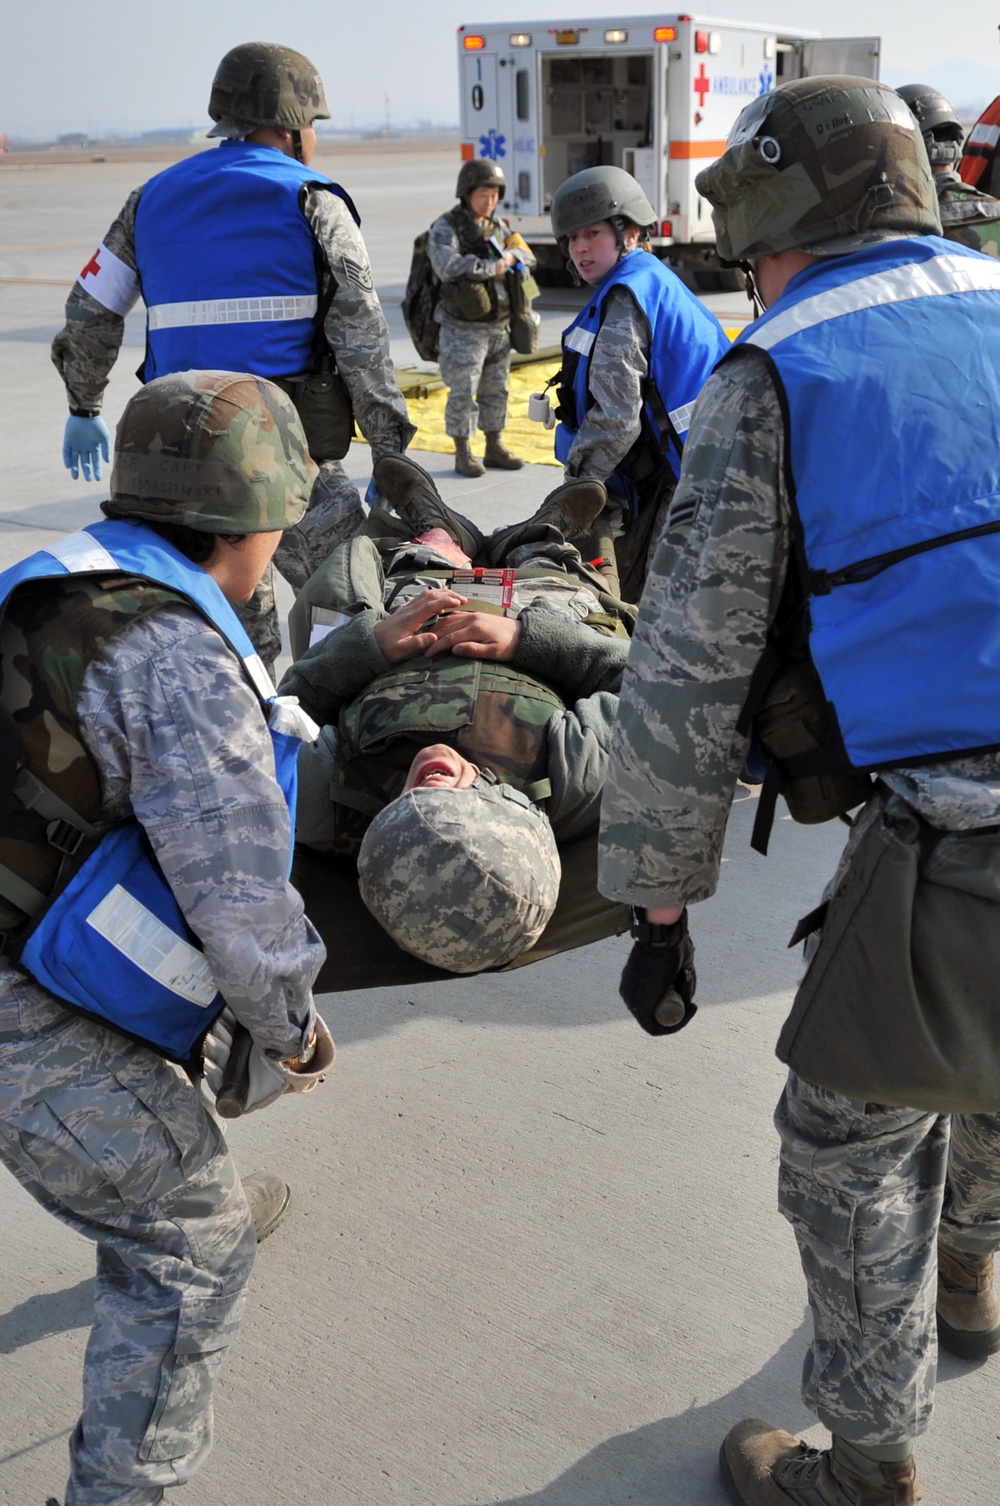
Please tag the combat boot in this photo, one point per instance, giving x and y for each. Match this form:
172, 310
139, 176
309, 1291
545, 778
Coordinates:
466, 463
416, 499
498, 457
269, 1198
968, 1313
572, 507
764, 1466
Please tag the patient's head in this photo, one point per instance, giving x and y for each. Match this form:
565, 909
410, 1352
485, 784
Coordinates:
459, 870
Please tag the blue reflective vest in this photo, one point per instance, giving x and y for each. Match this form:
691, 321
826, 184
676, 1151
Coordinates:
114, 943
889, 365
227, 263
685, 342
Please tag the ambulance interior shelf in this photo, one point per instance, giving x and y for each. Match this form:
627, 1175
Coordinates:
595, 109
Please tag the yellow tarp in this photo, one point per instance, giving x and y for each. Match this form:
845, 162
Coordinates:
426, 394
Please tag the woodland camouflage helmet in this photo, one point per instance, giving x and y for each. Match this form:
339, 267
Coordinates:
599, 193
939, 125
464, 879
479, 173
216, 451
825, 164
264, 84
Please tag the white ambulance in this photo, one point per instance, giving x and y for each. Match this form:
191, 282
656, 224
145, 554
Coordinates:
653, 94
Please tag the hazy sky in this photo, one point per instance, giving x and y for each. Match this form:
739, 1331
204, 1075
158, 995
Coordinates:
130, 65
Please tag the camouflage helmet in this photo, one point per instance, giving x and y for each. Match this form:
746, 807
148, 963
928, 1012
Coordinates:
480, 173
827, 165
599, 193
464, 879
264, 84
939, 125
216, 451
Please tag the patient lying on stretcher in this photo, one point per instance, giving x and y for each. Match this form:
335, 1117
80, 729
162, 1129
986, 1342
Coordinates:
467, 691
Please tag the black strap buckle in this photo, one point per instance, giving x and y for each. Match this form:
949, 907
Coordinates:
65, 837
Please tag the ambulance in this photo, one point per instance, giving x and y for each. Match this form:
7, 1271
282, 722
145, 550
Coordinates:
653, 94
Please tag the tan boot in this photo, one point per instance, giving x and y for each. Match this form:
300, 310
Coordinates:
763, 1465
466, 463
572, 507
269, 1198
968, 1313
498, 457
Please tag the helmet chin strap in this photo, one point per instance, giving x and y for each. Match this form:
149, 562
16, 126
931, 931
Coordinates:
751, 288
297, 145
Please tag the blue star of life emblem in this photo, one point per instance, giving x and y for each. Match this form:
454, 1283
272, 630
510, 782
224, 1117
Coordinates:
493, 145
766, 78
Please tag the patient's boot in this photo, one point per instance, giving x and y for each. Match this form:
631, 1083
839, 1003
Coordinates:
572, 507
415, 497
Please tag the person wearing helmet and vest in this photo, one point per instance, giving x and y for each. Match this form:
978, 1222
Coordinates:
967, 216
145, 846
826, 580
247, 259
634, 358
473, 253
467, 716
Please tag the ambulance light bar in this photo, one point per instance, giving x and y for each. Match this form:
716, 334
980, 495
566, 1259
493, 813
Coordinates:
665, 34
473, 44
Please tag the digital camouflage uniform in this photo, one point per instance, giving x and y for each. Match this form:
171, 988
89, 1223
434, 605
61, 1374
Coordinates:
86, 348
862, 1185
111, 1138
580, 667
968, 216
474, 357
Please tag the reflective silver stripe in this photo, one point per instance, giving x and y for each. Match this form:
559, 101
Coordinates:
261, 680
231, 311
681, 418
152, 947
81, 554
580, 340
984, 135
938, 277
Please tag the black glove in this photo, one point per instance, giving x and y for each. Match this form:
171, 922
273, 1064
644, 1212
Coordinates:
659, 979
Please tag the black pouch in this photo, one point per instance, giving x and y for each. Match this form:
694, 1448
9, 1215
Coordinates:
324, 406
901, 1001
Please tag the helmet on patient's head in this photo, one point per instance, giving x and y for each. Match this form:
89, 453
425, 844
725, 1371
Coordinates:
463, 879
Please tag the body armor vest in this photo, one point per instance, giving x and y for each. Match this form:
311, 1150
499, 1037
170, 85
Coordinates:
469, 299
493, 714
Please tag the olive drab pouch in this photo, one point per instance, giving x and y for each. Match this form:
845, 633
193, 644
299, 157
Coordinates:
324, 405
471, 301
899, 1002
420, 301
522, 289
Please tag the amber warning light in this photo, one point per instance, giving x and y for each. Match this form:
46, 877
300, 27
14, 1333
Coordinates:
665, 34
473, 44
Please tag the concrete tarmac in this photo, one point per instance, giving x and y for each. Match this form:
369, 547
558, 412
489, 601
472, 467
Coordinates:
534, 1256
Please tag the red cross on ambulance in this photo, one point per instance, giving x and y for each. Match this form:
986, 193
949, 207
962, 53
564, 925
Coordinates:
702, 85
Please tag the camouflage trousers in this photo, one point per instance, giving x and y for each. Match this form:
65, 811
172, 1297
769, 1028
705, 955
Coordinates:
475, 366
866, 1189
334, 514
117, 1144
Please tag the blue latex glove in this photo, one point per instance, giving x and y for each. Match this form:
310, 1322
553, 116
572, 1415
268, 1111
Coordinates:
85, 440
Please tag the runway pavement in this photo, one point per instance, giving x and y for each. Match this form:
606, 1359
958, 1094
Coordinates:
534, 1257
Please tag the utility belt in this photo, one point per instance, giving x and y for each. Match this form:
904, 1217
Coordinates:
323, 403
